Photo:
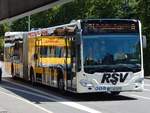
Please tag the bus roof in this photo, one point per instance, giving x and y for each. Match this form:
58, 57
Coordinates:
13, 33
107, 19
50, 30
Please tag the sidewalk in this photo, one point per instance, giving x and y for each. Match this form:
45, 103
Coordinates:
3, 110
11, 102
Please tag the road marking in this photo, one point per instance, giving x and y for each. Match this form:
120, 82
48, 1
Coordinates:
71, 104
146, 84
146, 90
137, 96
81, 107
36, 90
22, 99
28, 92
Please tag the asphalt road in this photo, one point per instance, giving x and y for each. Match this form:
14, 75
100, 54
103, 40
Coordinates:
18, 96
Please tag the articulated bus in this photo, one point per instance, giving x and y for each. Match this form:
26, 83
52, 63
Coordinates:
84, 56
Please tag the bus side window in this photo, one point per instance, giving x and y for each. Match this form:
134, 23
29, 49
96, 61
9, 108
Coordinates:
63, 54
69, 52
43, 51
58, 52
73, 49
52, 52
49, 52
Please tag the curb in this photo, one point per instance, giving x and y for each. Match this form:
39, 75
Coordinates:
147, 77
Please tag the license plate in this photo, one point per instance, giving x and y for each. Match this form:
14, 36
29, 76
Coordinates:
114, 88
101, 88
104, 88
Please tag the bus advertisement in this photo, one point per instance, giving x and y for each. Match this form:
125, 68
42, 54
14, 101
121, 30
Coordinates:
85, 56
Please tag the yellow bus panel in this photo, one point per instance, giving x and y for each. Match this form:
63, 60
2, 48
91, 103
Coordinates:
51, 41
54, 60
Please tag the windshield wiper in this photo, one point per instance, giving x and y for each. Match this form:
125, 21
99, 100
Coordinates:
128, 67
98, 68
112, 68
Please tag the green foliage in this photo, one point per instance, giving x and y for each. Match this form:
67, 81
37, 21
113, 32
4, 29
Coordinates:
143, 10
20, 25
1, 43
78, 9
3, 28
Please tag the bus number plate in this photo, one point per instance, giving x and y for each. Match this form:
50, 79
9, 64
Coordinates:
104, 88
114, 88
101, 88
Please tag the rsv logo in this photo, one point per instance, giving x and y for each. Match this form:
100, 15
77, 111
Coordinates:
114, 78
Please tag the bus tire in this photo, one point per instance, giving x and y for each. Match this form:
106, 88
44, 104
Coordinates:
32, 78
115, 93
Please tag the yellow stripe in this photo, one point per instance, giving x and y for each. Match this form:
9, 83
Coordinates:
52, 41
54, 60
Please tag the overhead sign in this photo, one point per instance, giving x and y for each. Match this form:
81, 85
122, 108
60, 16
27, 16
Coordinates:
109, 26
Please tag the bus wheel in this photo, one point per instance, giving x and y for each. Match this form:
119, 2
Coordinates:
61, 84
115, 93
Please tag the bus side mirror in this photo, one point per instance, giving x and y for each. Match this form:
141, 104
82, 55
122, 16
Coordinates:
144, 41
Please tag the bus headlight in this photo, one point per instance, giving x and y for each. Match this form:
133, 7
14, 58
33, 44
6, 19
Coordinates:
139, 80
86, 83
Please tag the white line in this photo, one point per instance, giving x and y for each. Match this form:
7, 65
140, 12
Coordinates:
146, 84
77, 106
146, 90
30, 93
71, 104
19, 98
36, 90
137, 96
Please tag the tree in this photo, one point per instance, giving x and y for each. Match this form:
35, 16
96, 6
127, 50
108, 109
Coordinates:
144, 14
3, 28
81, 9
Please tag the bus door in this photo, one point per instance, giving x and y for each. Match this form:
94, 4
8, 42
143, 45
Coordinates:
38, 62
37, 52
71, 67
18, 58
25, 57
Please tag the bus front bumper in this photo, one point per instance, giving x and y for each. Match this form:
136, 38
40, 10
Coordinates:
137, 87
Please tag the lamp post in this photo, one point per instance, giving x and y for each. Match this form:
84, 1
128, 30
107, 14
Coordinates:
126, 6
29, 23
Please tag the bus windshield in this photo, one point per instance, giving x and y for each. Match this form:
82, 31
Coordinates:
111, 52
